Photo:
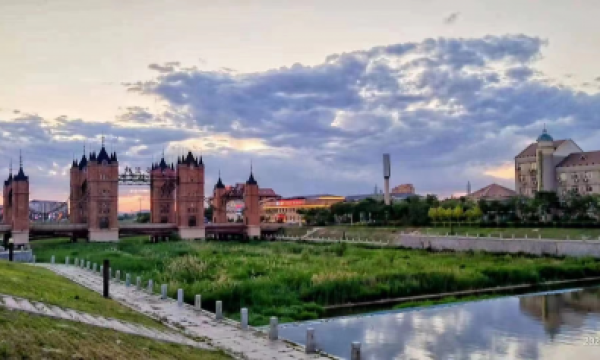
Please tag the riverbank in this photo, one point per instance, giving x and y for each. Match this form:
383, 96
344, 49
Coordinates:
388, 233
297, 281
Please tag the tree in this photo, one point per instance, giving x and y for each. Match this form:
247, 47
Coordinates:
433, 214
458, 213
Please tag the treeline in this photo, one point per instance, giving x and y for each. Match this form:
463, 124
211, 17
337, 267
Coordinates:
545, 209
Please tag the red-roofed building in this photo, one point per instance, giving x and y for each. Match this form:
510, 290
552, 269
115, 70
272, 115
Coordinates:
493, 192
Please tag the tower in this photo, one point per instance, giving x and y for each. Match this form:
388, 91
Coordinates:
102, 187
386, 178
190, 197
219, 203
20, 206
545, 162
162, 193
468, 188
251, 207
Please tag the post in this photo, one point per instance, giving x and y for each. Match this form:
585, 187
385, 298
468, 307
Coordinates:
150, 286
163, 291
355, 351
94, 268
101, 269
138, 283
180, 297
106, 277
118, 275
67, 260
310, 341
244, 318
198, 302
52, 260
89, 265
219, 310
11, 251
76, 262
127, 280
273, 334
34, 259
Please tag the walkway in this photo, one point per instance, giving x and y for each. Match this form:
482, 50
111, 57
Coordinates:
38, 308
226, 334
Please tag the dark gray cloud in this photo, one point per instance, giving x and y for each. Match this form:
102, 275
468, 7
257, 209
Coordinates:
168, 67
451, 19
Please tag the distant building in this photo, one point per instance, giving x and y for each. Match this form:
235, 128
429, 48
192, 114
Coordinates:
394, 197
492, 192
286, 209
404, 189
556, 165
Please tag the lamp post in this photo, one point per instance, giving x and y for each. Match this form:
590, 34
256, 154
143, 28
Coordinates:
11, 249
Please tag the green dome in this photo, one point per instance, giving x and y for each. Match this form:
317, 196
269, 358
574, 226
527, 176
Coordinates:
545, 136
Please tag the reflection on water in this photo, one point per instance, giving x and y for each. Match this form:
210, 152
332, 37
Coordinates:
549, 326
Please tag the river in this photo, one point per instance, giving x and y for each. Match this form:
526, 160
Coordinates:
561, 325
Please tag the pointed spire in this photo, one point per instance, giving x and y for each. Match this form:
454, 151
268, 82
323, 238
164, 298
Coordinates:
251, 180
10, 168
103, 141
21, 175
219, 184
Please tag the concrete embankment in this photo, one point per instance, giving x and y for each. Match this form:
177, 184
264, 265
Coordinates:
540, 247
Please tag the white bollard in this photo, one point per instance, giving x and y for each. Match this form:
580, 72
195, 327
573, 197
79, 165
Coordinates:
198, 302
94, 267
34, 259
118, 275
244, 318
101, 270
89, 265
355, 351
138, 283
310, 341
67, 260
150, 286
273, 329
219, 310
52, 260
180, 297
76, 262
163, 291
127, 280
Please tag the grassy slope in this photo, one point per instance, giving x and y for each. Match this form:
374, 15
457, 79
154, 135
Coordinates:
293, 280
39, 284
378, 233
25, 336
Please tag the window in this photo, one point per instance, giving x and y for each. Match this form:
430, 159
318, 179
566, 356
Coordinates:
563, 177
590, 189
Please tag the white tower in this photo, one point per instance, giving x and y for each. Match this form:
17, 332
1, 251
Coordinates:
386, 178
545, 162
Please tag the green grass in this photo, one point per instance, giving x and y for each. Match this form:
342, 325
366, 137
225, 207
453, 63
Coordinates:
43, 285
388, 233
26, 336
295, 280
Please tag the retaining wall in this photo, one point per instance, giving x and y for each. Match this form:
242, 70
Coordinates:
529, 246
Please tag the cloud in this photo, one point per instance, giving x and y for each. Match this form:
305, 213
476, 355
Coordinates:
451, 19
168, 67
448, 110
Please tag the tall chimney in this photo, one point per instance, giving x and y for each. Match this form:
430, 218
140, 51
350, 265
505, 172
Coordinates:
386, 178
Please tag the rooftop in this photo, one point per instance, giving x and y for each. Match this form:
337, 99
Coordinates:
493, 192
581, 159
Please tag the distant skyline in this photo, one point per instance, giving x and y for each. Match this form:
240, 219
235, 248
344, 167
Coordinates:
312, 92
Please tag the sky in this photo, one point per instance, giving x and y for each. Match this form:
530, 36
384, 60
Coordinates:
310, 93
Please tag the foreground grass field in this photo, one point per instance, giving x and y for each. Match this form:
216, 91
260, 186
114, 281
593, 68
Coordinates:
24, 336
382, 233
295, 280
39, 284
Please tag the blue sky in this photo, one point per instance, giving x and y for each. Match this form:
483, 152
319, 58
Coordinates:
311, 92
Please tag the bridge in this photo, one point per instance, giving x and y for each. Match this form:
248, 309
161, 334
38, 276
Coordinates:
156, 230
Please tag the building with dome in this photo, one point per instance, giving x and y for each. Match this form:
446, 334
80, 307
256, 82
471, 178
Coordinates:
556, 165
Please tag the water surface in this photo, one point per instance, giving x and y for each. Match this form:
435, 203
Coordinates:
554, 325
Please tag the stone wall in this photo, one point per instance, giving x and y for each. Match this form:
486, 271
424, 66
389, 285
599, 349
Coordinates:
18, 256
495, 245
